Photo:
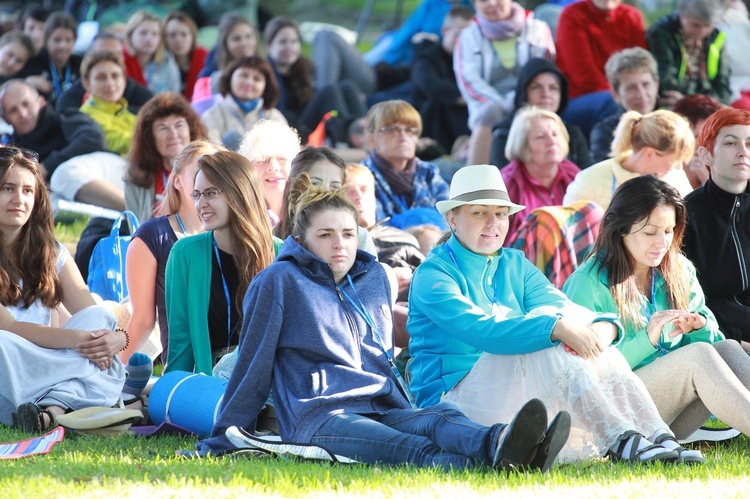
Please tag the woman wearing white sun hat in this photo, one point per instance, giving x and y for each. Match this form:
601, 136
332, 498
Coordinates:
489, 332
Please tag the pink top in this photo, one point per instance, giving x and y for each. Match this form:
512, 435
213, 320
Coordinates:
525, 190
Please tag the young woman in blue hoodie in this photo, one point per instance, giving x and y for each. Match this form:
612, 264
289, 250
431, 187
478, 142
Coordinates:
317, 330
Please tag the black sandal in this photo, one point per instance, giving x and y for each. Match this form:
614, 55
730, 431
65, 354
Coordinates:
634, 456
30, 418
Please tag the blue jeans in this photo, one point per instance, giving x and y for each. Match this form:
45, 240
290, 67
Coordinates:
438, 436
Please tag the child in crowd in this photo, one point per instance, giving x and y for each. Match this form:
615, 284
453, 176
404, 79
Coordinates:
103, 76
55, 68
148, 62
181, 39
32, 22
15, 50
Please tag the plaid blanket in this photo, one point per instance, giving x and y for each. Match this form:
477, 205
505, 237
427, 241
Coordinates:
557, 238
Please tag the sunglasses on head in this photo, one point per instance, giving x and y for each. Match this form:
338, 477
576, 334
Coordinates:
10, 152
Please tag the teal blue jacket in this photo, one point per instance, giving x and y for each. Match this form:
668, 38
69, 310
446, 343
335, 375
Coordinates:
588, 287
188, 293
451, 319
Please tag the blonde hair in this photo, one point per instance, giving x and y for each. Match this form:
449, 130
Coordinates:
308, 199
270, 139
358, 170
134, 21
517, 147
172, 201
662, 130
390, 112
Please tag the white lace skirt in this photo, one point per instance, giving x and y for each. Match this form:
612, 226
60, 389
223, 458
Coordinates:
603, 396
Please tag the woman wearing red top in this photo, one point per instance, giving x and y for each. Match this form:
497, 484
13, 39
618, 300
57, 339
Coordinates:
538, 173
181, 35
588, 33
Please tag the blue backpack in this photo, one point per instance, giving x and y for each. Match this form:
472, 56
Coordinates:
107, 264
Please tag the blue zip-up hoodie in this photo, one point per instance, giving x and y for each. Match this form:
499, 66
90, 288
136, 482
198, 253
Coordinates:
451, 320
302, 337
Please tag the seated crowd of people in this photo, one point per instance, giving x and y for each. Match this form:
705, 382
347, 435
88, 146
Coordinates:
506, 307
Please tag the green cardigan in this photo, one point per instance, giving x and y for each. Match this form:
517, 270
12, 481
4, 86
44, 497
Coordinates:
588, 287
188, 292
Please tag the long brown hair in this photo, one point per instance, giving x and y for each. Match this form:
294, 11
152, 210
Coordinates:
249, 227
226, 24
300, 73
633, 203
145, 159
33, 255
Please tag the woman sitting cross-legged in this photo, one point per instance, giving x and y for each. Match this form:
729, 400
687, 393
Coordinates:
489, 331
46, 370
208, 274
671, 339
318, 331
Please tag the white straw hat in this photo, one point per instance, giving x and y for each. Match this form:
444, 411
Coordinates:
478, 184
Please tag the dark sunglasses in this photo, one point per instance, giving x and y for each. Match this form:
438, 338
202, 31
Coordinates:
10, 152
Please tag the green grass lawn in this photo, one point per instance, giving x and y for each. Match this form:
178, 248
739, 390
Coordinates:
126, 466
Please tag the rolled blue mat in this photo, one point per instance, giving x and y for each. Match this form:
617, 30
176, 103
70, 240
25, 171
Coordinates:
189, 400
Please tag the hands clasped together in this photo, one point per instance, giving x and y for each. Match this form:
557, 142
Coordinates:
101, 346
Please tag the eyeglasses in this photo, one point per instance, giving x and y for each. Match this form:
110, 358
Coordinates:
410, 131
10, 152
209, 194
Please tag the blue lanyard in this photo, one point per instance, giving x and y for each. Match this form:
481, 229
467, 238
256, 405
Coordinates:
182, 228
493, 300
56, 79
226, 293
650, 309
362, 311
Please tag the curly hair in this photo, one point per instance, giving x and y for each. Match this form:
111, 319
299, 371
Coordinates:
32, 256
145, 159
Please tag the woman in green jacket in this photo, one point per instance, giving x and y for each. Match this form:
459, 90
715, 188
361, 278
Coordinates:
208, 274
671, 339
